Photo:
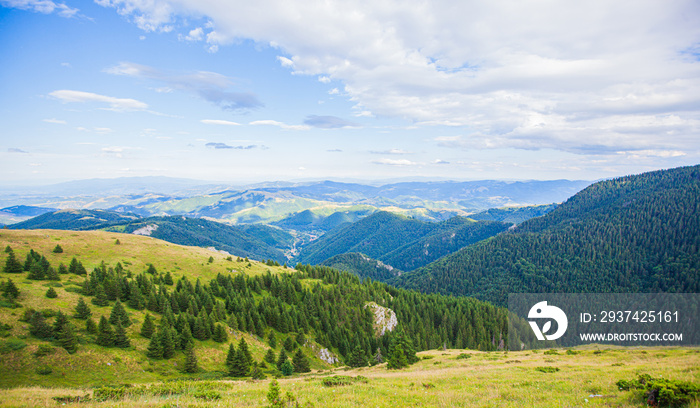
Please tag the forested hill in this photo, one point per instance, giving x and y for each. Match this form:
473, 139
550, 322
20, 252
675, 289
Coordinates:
637, 233
400, 241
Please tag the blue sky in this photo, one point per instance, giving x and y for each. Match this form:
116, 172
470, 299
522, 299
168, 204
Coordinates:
284, 90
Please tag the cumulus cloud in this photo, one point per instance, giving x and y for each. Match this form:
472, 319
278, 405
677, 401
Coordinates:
115, 104
55, 121
41, 6
525, 75
279, 124
329, 122
210, 86
219, 122
395, 162
390, 151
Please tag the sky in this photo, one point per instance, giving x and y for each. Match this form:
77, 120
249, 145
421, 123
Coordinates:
244, 92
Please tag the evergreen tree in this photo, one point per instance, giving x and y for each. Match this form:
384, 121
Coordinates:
119, 315
239, 365
220, 335
256, 373
105, 334
272, 339
100, 298
148, 327
185, 336
136, 299
152, 270
8, 249
61, 320
243, 348
270, 356
62, 270
167, 342
230, 357
378, 358
190, 359
281, 359
121, 340
38, 327
10, 290
12, 265
287, 368
67, 338
90, 326
301, 339
397, 359
82, 310
36, 271
168, 279
300, 362
51, 274
289, 343
73, 266
155, 348
200, 332
357, 358
58, 249
51, 293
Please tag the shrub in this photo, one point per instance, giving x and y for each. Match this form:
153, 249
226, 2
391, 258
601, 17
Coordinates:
547, 369
662, 392
338, 380
46, 370
44, 350
572, 352
68, 399
551, 352
463, 356
12, 345
109, 393
207, 395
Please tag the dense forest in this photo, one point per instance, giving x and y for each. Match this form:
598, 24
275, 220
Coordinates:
402, 242
637, 233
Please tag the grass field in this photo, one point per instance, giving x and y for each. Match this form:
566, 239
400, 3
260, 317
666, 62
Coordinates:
440, 379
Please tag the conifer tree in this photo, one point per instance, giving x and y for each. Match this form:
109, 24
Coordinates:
300, 362
136, 299
155, 348
191, 365
121, 340
38, 326
200, 332
67, 338
119, 315
8, 249
281, 359
60, 321
90, 326
167, 342
185, 337
10, 290
230, 357
239, 365
270, 356
100, 298
168, 279
357, 357
36, 271
289, 343
82, 310
58, 249
243, 348
220, 335
397, 359
272, 339
148, 327
52, 274
287, 368
51, 293
105, 334
12, 265
378, 358
62, 270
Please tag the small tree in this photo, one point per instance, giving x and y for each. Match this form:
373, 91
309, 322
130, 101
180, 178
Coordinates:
270, 356
52, 274
220, 335
287, 368
36, 271
119, 315
90, 326
230, 356
155, 348
300, 362
148, 327
100, 298
357, 358
281, 359
168, 279
191, 365
58, 249
10, 290
121, 340
51, 293
82, 310
12, 265
289, 343
272, 339
67, 338
105, 334
38, 326
274, 395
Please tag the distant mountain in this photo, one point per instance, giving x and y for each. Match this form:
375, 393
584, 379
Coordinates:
309, 220
253, 241
399, 241
362, 266
515, 215
631, 234
18, 213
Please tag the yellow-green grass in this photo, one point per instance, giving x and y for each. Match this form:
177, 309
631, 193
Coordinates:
495, 379
92, 364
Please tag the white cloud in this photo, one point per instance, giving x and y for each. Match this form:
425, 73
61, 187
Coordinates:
56, 121
395, 162
334, 91
196, 34
522, 74
116, 104
324, 79
390, 151
279, 124
41, 6
219, 122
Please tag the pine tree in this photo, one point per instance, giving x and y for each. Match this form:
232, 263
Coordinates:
148, 327
67, 339
281, 359
289, 343
119, 315
105, 334
243, 348
230, 357
274, 395
38, 326
287, 368
90, 326
58, 249
121, 340
357, 357
12, 265
272, 339
100, 298
185, 337
167, 342
378, 358
36, 271
62, 270
10, 290
61, 320
51, 274
51, 293
239, 365
220, 335
82, 310
8, 249
256, 373
136, 299
300, 362
155, 348
168, 279
190, 359
270, 356
397, 359
200, 332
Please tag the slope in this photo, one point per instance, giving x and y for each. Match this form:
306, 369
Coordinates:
399, 241
637, 233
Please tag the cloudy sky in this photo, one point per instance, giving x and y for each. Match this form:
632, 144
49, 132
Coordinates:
237, 91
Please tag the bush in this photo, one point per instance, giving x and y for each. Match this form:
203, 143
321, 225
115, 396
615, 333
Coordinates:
547, 369
463, 356
551, 352
44, 350
338, 380
12, 345
662, 392
46, 370
68, 399
109, 393
207, 395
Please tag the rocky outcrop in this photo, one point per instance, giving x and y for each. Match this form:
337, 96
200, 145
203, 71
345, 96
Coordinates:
147, 230
384, 318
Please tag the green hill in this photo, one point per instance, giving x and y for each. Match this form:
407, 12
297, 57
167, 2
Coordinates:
197, 292
362, 266
75, 220
399, 241
637, 233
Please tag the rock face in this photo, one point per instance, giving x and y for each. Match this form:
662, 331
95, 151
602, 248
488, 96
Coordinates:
384, 318
323, 353
147, 230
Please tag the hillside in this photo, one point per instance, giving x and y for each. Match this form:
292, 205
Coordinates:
402, 242
362, 266
194, 295
515, 215
252, 241
638, 233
